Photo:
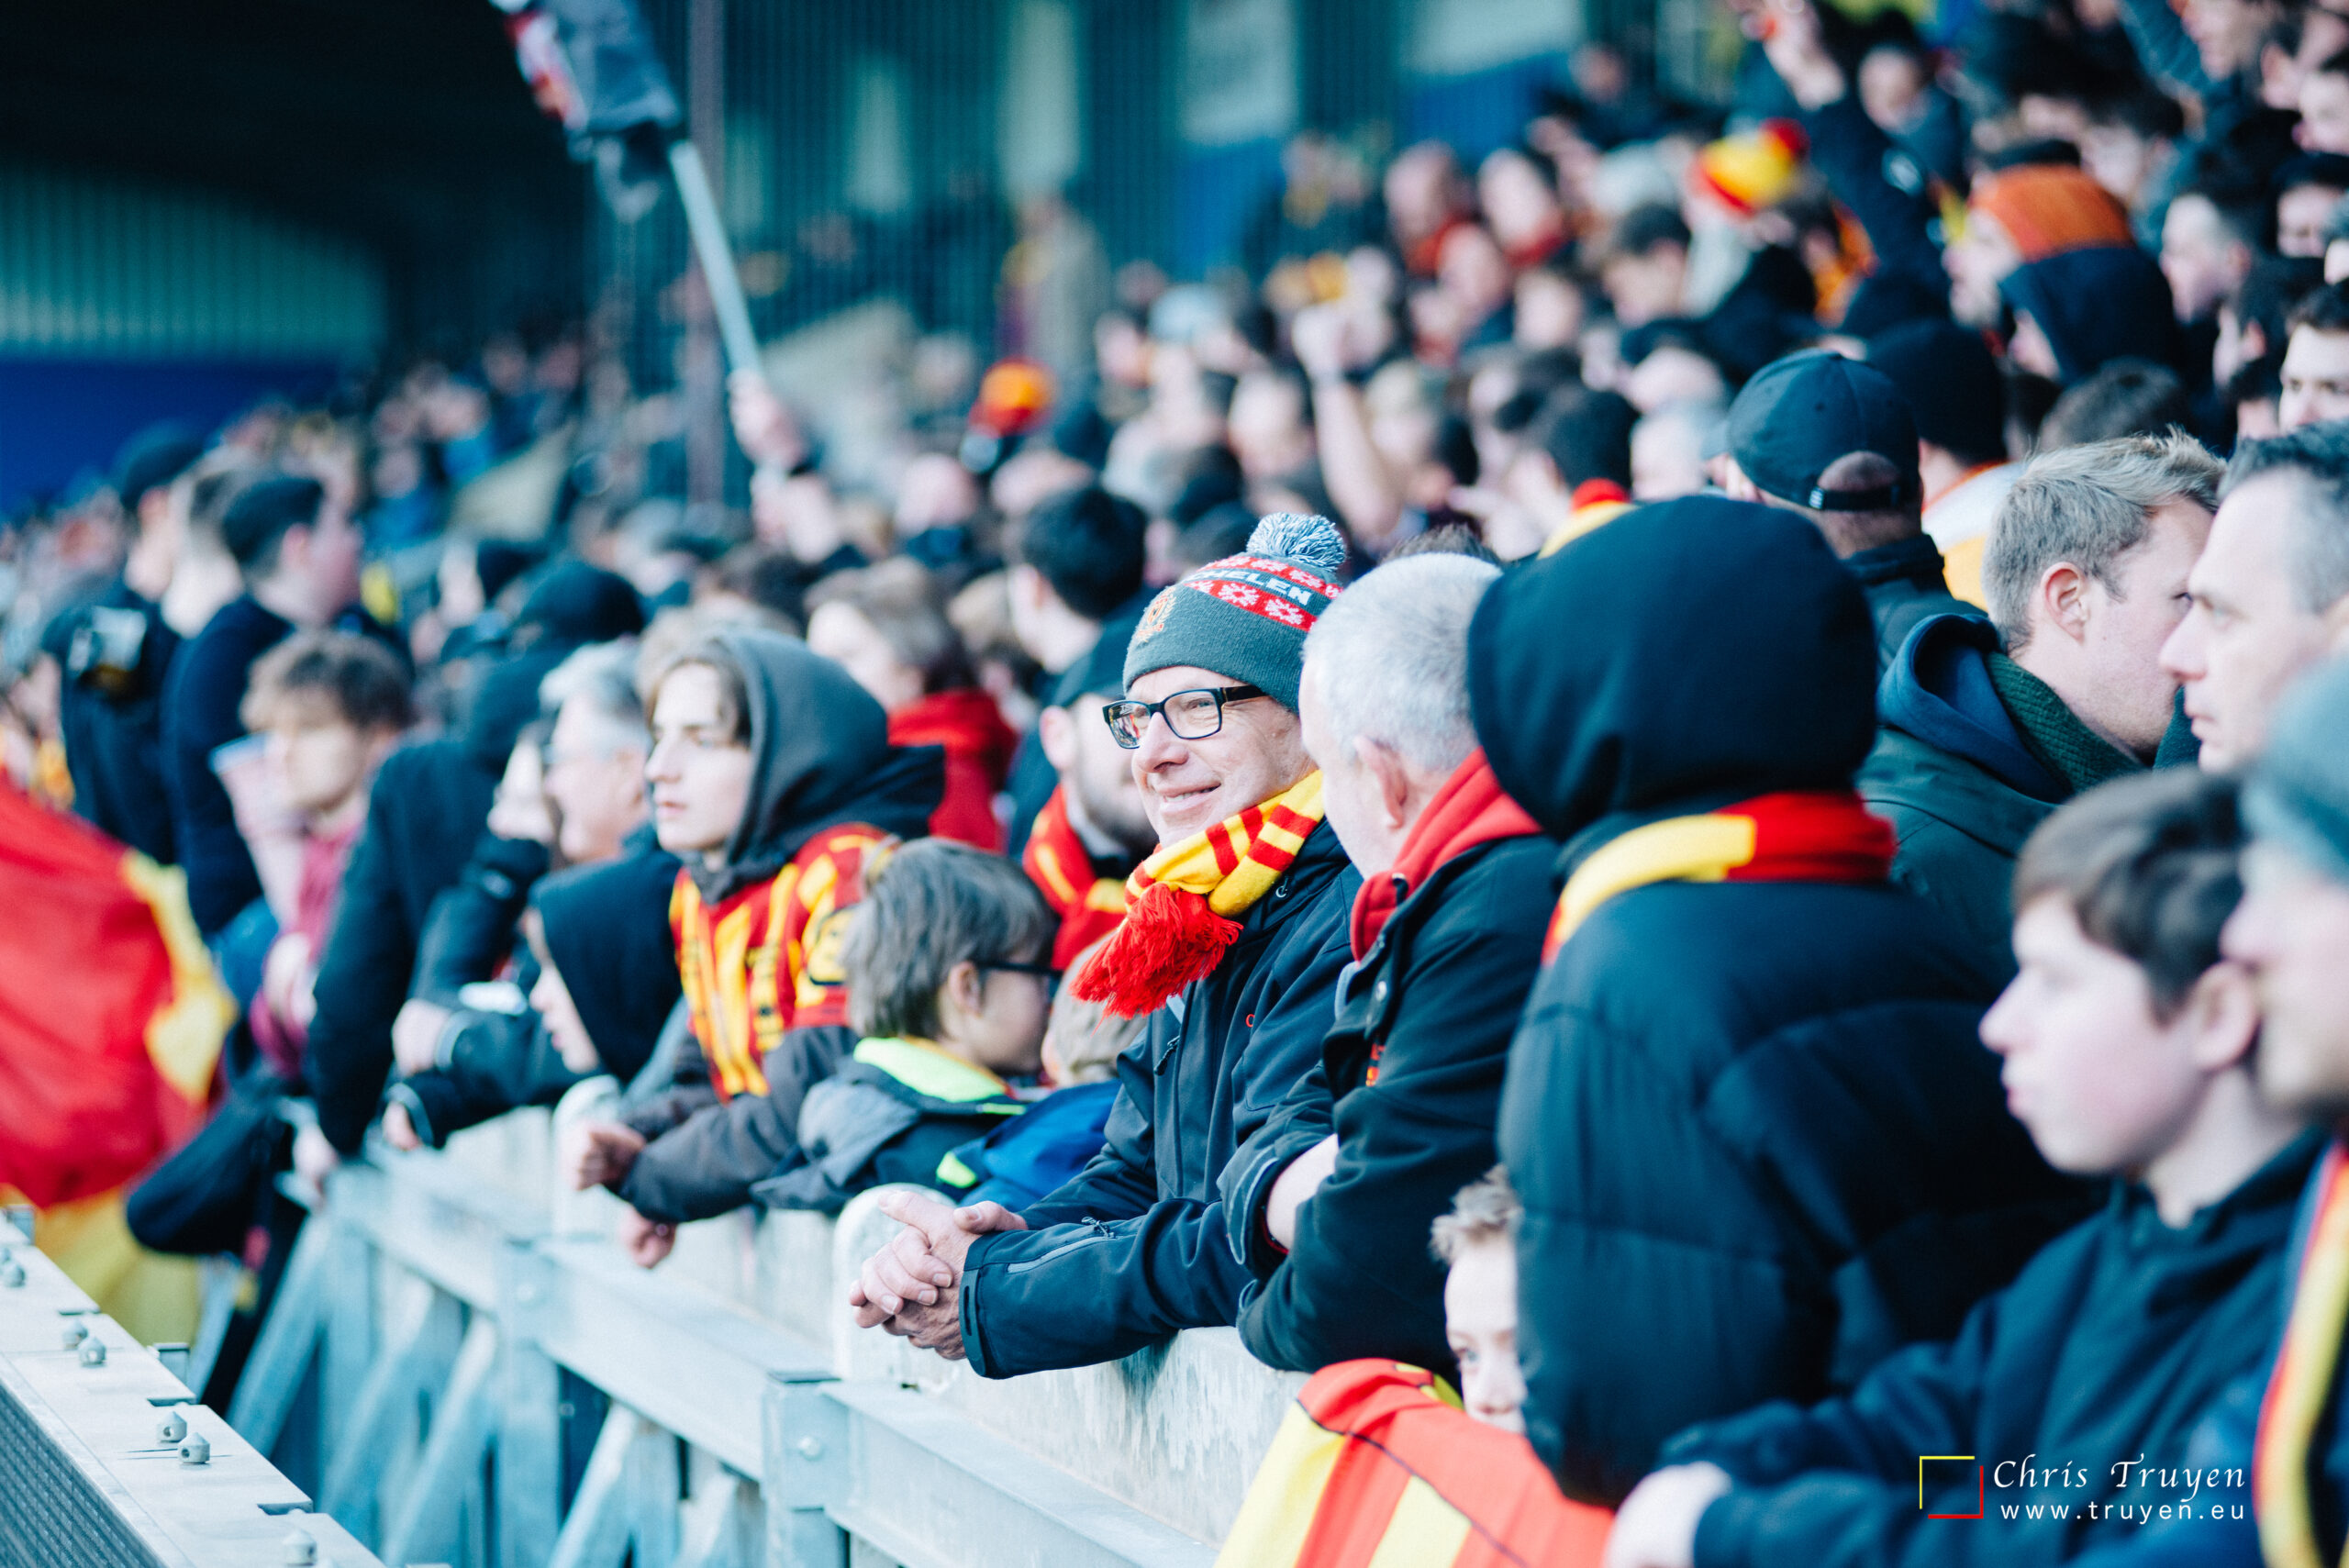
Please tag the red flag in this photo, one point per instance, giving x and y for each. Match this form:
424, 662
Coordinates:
110, 1018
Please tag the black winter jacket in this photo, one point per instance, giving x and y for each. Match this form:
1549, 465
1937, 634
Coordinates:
469, 932
114, 655
202, 694
424, 815
1758, 1143
2108, 1347
1431, 1008
1136, 1247
1905, 586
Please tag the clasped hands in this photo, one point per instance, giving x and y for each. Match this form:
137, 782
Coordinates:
913, 1286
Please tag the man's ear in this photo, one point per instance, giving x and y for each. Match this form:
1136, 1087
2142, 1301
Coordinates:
2336, 626
2062, 599
2222, 1010
965, 991
1386, 766
1735, 483
1056, 732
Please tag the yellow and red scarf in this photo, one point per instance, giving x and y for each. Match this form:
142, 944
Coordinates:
1061, 866
767, 958
1183, 904
1797, 836
2304, 1377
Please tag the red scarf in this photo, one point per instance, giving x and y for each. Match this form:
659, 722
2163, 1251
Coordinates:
1469, 810
1798, 836
1059, 864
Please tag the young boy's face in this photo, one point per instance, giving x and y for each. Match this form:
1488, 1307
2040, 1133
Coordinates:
2103, 1085
999, 1019
700, 775
321, 756
1480, 1319
551, 1000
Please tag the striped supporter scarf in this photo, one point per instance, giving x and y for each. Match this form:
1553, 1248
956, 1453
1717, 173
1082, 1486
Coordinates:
1183, 904
2304, 1374
1798, 836
1059, 864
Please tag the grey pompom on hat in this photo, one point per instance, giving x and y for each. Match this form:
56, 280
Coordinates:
1245, 616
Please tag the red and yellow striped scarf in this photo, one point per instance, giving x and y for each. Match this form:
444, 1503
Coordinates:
1797, 836
1060, 865
767, 958
1183, 904
2305, 1370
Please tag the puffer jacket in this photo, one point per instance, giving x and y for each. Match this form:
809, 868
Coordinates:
1134, 1249
1757, 1140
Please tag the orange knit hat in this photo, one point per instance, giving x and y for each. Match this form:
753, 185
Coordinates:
2050, 208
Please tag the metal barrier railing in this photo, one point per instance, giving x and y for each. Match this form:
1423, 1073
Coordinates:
107, 1459
435, 1329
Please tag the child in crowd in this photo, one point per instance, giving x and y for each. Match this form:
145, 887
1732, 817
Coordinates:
1020, 1161
327, 707
949, 987
605, 981
2127, 1044
1477, 1242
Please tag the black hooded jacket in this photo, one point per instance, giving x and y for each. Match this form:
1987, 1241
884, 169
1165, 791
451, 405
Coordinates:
1758, 1143
606, 928
425, 812
822, 760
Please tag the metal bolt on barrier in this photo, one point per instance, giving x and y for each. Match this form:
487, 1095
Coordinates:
301, 1551
74, 1333
810, 1448
12, 1275
170, 1430
94, 1353
194, 1450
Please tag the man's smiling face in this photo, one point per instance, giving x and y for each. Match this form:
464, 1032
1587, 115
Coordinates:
1188, 786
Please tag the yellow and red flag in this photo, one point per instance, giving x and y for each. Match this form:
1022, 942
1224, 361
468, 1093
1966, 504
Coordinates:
1377, 1465
111, 1018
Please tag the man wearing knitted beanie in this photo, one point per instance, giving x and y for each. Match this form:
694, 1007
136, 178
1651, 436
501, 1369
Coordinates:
1235, 936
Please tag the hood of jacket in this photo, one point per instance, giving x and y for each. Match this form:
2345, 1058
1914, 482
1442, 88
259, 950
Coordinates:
1938, 690
606, 928
1699, 652
2097, 305
820, 755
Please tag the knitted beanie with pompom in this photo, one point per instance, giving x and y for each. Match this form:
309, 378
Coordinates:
1245, 616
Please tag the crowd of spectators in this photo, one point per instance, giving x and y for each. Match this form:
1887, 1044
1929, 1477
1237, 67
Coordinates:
1689, 776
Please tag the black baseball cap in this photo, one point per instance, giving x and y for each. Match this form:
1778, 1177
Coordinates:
1801, 414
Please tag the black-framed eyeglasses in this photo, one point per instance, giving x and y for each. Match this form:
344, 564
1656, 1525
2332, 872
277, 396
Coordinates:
1044, 969
1192, 715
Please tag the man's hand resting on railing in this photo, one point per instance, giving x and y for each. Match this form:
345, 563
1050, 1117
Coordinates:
415, 1035
646, 1241
597, 1153
1300, 1180
913, 1286
399, 1128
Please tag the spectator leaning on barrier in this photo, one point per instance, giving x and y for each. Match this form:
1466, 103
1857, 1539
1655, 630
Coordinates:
1746, 1094
2129, 1048
1232, 942
1988, 726
1831, 439
1331, 1202
773, 780
949, 985
2271, 589
605, 981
